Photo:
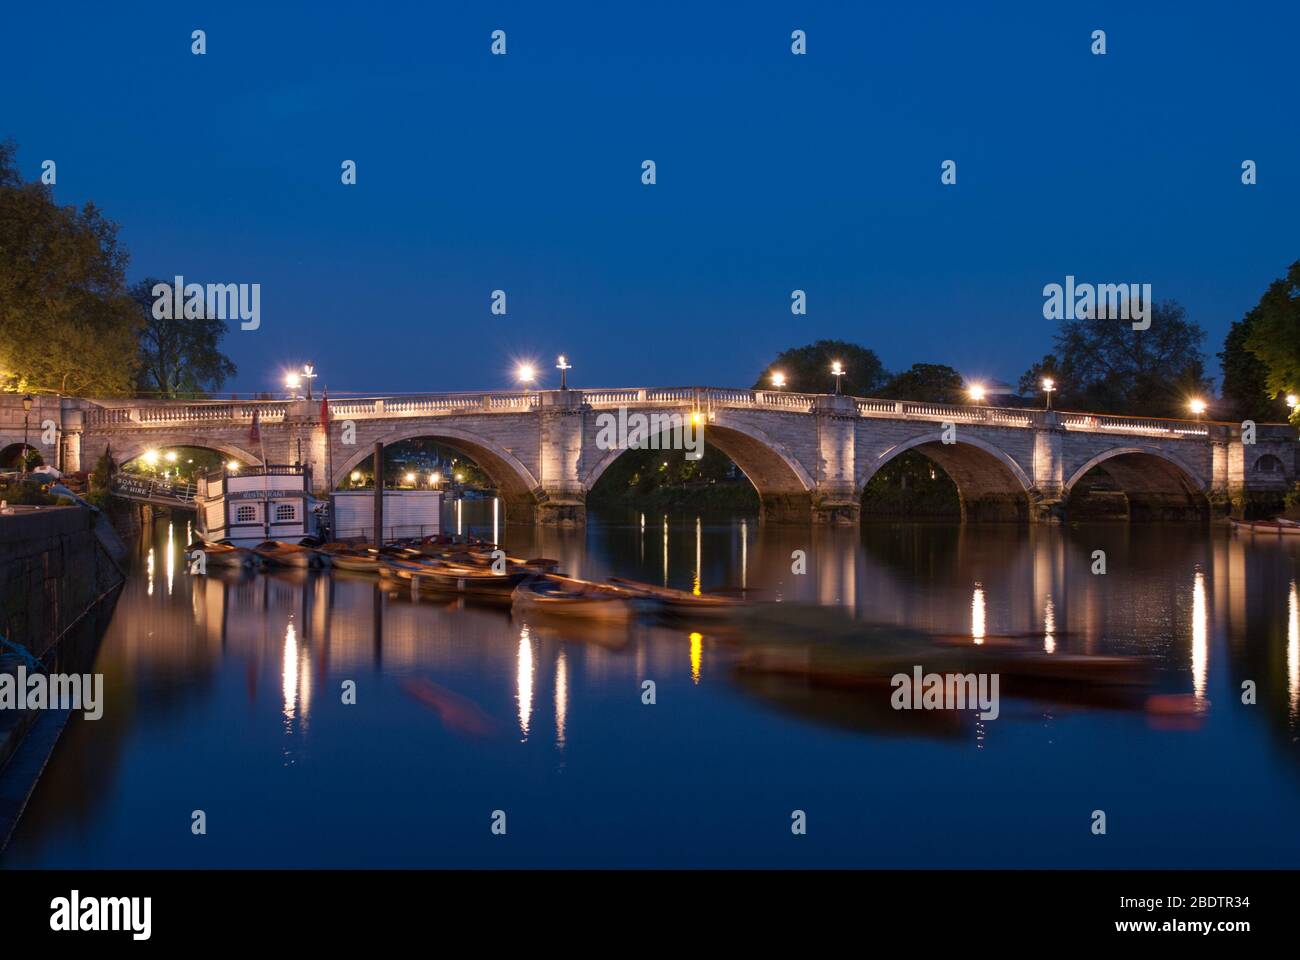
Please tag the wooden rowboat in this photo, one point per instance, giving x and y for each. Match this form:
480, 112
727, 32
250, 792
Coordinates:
565, 597
1267, 527
452, 578
277, 553
226, 555
669, 600
354, 561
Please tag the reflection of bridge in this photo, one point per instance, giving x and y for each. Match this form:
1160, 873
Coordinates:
809, 456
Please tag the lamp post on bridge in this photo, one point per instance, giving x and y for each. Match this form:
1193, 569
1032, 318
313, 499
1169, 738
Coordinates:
564, 367
1048, 386
28, 400
837, 371
309, 374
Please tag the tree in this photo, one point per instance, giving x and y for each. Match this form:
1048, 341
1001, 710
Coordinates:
179, 356
808, 369
1103, 365
926, 383
1274, 336
1245, 377
67, 324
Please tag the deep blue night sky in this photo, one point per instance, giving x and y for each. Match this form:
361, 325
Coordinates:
775, 172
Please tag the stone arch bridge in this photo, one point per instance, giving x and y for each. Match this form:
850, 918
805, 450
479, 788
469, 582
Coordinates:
808, 456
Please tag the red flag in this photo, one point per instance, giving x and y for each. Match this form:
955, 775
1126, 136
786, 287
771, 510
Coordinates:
325, 407
254, 434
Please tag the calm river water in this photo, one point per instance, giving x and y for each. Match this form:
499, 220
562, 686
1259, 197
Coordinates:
223, 694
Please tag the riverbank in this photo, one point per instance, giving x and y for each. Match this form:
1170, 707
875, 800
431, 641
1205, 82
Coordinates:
60, 573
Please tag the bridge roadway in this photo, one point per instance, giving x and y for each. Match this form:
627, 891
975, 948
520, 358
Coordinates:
808, 455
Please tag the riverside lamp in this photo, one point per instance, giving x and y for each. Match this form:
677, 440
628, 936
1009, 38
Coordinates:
28, 400
778, 379
837, 371
564, 367
1048, 386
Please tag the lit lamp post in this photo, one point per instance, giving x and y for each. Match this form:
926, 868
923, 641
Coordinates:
976, 393
1197, 407
1291, 401
293, 383
778, 379
309, 374
564, 367
837, 371
525, 374
1048, 386
28, 400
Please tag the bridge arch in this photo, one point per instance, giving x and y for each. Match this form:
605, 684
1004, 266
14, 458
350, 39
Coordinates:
133, 448
516, 483
1155, 483
784, 486
990, 483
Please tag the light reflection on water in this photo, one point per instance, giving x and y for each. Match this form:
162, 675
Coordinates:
223, 693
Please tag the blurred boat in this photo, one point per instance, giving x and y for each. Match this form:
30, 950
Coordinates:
564, 597
682, 602
277, 553
1267, 527
823, 647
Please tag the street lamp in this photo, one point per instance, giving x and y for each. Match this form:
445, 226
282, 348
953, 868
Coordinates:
564, 367
525, 374
1197, 407
28, 400
778, 379
435, 479
293, 383
1048, 386
837, 371
976, 392
309, 374
410, 479
1292, 400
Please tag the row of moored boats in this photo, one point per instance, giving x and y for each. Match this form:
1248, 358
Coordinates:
479, 570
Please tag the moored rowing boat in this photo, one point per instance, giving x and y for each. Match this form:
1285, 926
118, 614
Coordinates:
564, 597
669, 600
1269, 527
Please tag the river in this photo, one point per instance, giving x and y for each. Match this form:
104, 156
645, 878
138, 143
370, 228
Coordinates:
225, 693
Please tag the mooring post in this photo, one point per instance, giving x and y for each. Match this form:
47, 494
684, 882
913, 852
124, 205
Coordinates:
379, 494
